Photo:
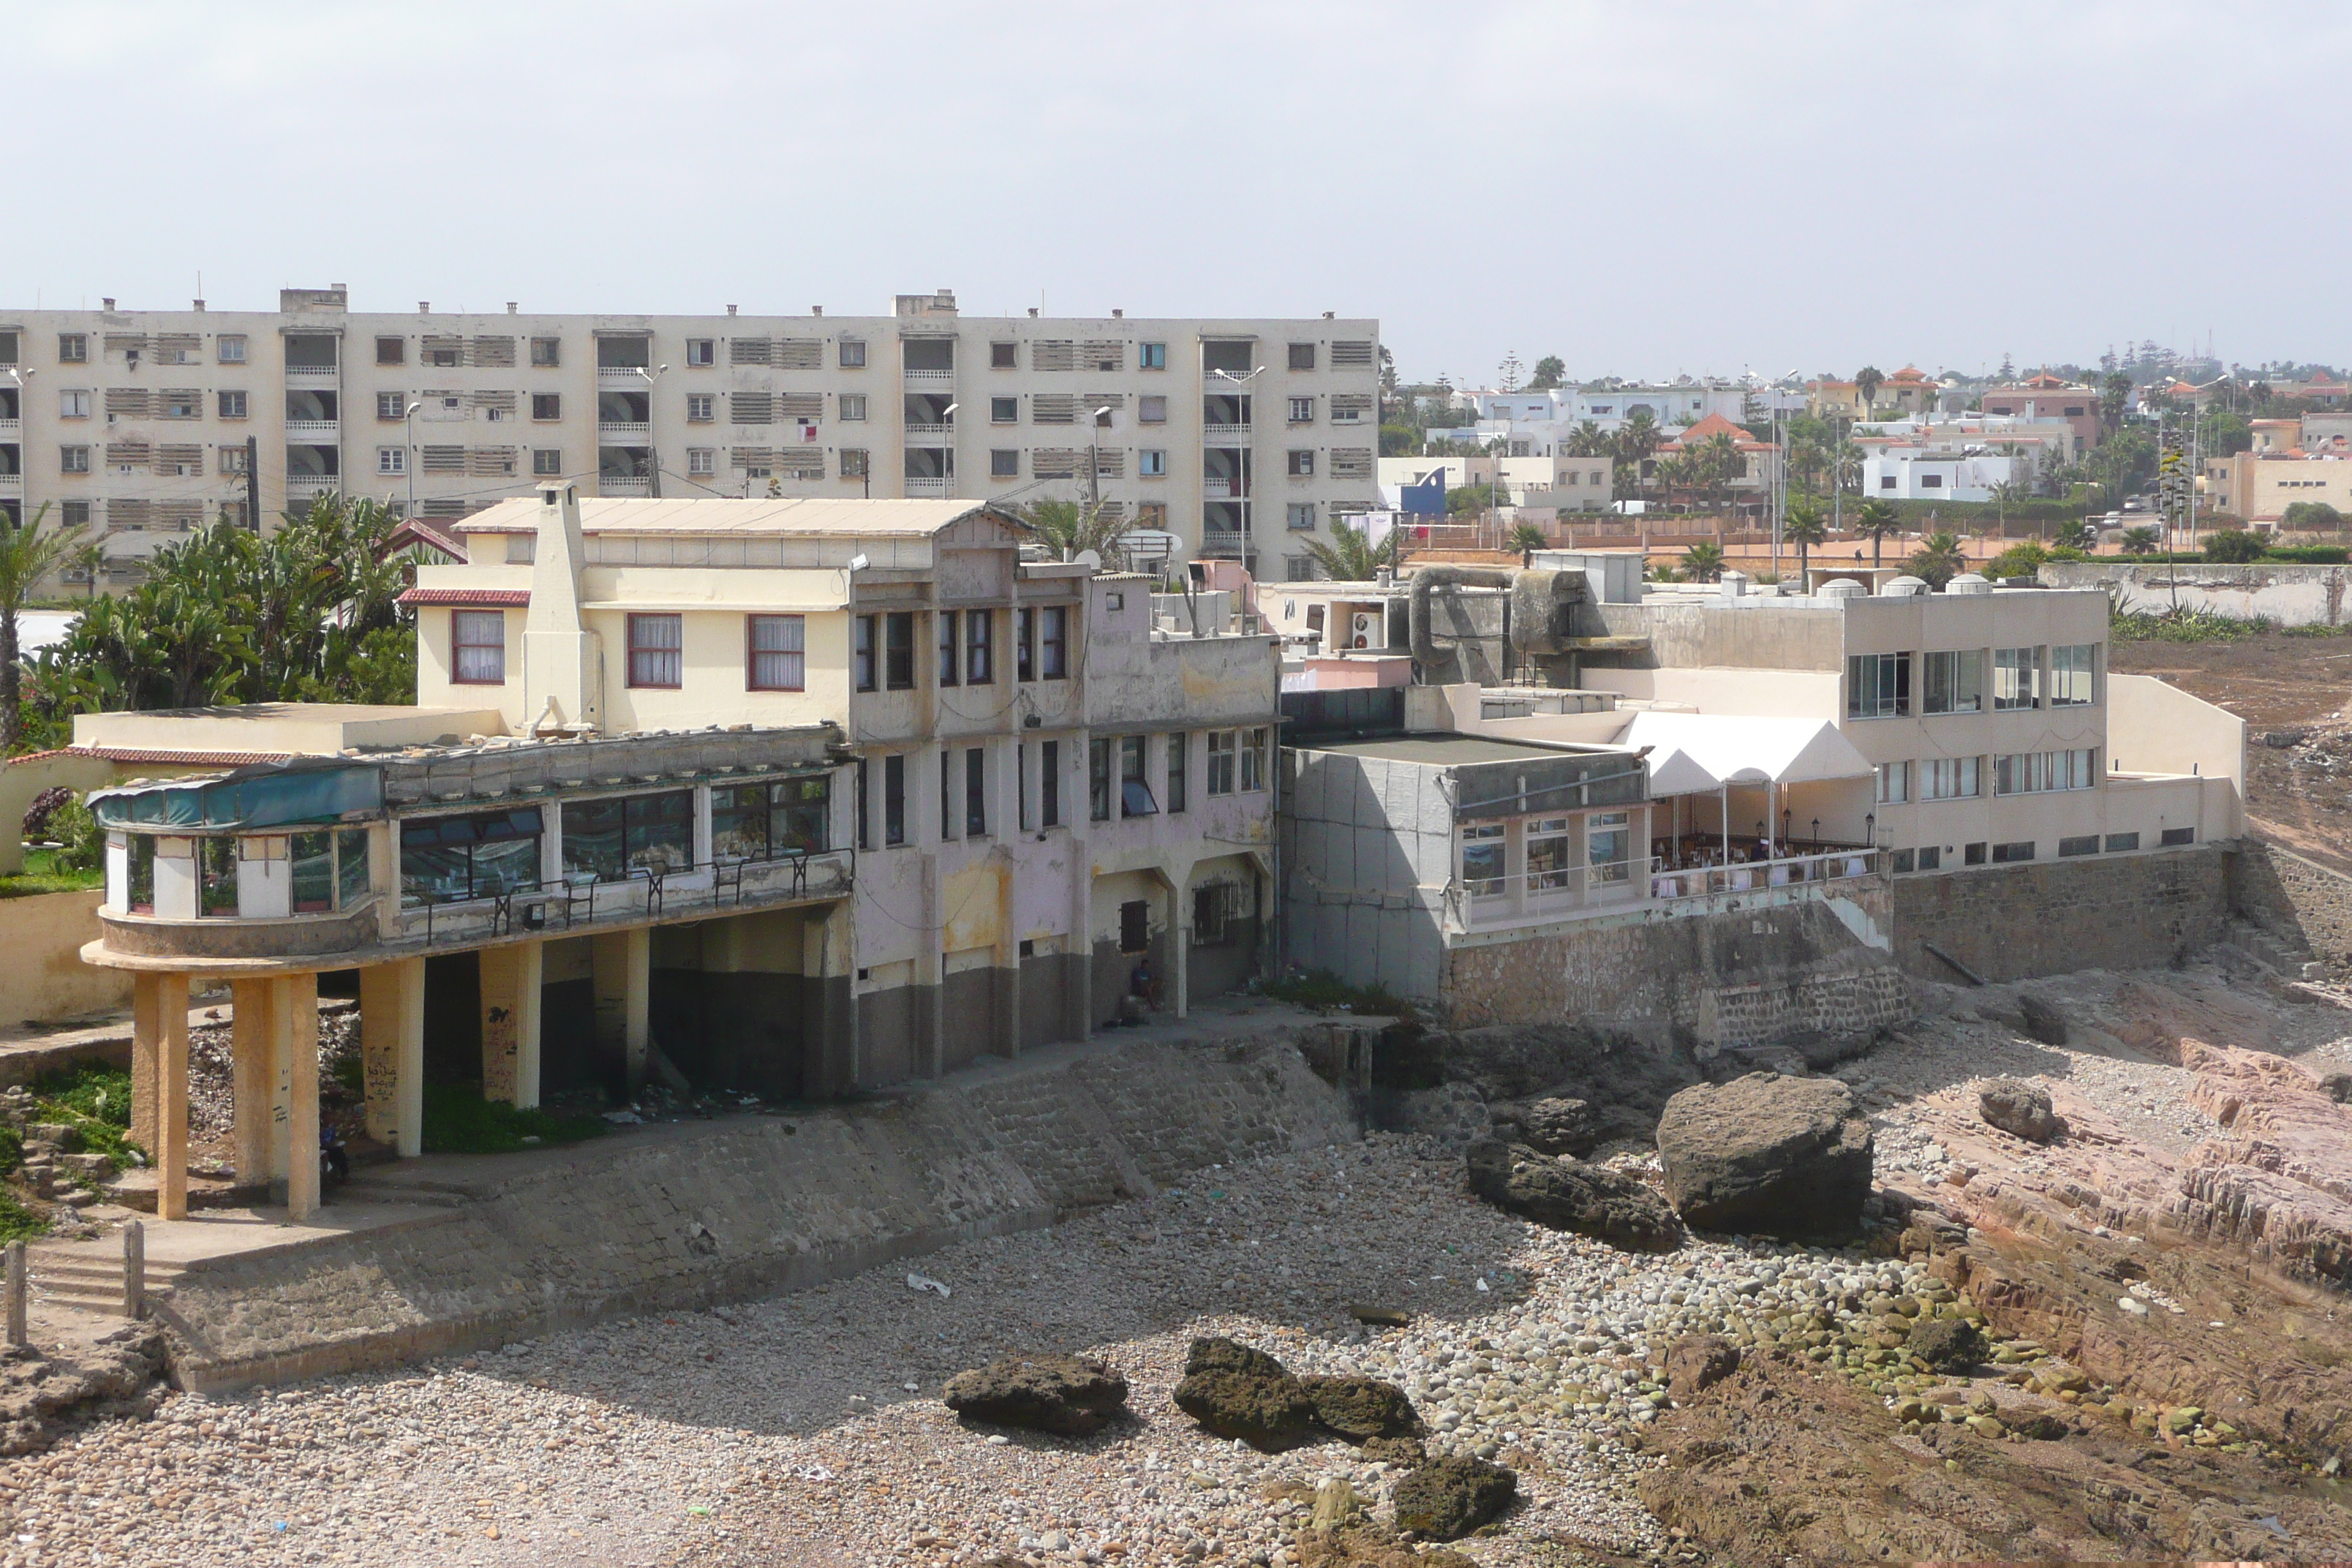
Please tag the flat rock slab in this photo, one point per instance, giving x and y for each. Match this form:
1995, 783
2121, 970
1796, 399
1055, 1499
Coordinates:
1066, 1395
1566, 1195
1767, 1154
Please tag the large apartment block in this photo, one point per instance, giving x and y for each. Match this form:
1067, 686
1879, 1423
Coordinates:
1235, 440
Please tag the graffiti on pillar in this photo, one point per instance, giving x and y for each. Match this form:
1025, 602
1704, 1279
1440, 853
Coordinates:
499, 1049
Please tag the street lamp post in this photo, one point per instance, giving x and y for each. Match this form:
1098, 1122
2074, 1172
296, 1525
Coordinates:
408, 458
947, 453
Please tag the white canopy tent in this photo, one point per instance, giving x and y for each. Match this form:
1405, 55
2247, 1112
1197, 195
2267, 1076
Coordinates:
1693, 753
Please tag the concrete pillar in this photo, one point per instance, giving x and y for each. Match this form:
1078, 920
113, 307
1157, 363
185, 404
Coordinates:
1082, 931
622, 966
172, 1099
297, 1004
511, 978
392, 1052
251, 1034
146, 1040
1007, 959
701, 833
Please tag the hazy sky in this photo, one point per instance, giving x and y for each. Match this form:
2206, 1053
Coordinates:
1641, 188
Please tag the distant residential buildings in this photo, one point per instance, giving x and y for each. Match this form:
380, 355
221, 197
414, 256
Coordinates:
2291, 460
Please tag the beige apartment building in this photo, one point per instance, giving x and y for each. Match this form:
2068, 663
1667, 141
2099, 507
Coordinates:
1226, 438
2291, 460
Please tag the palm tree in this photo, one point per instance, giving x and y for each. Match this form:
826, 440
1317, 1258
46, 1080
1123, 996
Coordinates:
1066, 527
1351, 557
26, 556
1637, 439
1806, 525
88, 558
2141, 540
1527, 536
1703, 561
1723, 463
1876, 519
2006, 494
1938, 559
1866, 381
1588, 440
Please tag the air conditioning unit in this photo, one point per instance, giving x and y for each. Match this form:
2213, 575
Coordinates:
1364, 630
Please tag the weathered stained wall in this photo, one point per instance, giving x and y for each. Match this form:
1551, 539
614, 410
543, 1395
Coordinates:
45, 978
1755, 968
1686, 631
2012, 923
2291, 596
686, 1215
2303, 903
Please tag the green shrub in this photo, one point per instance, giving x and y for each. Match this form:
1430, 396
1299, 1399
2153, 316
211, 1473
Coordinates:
458, 1120
18, 1223
12, 1149
1326, 992
2233, 546
2309, 554
95, 1100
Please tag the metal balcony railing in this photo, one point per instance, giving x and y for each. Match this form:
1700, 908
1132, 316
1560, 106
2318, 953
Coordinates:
583, 899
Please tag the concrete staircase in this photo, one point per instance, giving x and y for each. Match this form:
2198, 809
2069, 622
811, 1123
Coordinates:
89, 1277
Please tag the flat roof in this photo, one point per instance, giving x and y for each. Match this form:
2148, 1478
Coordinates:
1449, 750
819, 516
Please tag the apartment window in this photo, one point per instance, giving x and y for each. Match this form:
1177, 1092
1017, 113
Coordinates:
1134, 787
2173, 837
478, 647
547, 460
232, 459
853, 353
1005, 411
1877, 685
1024, 641
392, 351
702, 408
392, 406
975, 792
1003, 356
1302, 411
2071, 672
2036, 773
701, 462
2016, 678
1152, 463
1152, 410
229, 348
894, 800
546, 353
1302, 356
657, 652
1949, 778
898, 650
73, 403
1052, 642
1300, 516
546, 406
1301, 464
2005, 853
1931, 858
852, 406
190, 405
854, 463
1481, 860
1151, 356
1972, 853
946, 632
2079, 844
1955, 682
861, 652
1049, 784
1003, 463
1098, 780
73, 459
1179, 762
392, 459
947, 795
73, 348
979, 647
445, 355
1894, 783
1931, 481
778, 653
2118, 843
1253, 747
1298, 569
701, 351
1221, 762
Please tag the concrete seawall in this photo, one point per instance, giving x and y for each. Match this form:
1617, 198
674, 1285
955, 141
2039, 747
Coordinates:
2289, 594
692, 1214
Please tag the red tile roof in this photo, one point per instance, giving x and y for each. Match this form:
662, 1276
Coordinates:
1716, 425
417, 531
483, 597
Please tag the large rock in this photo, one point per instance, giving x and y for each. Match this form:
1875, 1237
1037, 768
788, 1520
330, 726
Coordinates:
1361, 1408
1448, 1498
1234, 1391
2015, 1106
1946, 1344
1567, 1195
1699, 1361
1068, 1395
1765, 1154
1556, 1124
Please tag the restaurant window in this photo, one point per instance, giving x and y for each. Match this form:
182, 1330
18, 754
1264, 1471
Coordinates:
898, 650
1052, 642
1609, 847
979, 647
477, 640
1955, 682
1134, 788
946, 627
352, 879
656, 658
313, 873
141, 867
1877, 685
1482, 860
2072, 671
2016, 678
1098, 780
614, 837
778, 653
217, 869
1179, 762
773, 821
894, 800
1049, 784
1549, 866
447, 858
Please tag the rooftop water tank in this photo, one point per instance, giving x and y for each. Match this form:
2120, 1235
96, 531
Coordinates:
1903, 588
1968, 583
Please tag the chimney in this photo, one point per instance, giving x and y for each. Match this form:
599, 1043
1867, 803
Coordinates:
557, 654
1330, 315
1033, 312
199, 304
510, 307
107, 302
1117, 314
731, 309
816, 310
425, 307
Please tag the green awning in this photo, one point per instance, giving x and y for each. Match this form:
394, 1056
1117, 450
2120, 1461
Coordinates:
267, 794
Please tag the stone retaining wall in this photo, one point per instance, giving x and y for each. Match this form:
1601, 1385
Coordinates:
2301, 902
686, 1216
2049, 916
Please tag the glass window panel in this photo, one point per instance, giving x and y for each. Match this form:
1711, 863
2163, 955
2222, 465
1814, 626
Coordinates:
478, 641
1609, 847
654, 651
141, 891
779, 658
505, 865
313, 872
217, 866
592, 837
1179, 762
352, 879
661, 830
1482, 860
738, 822
800, 816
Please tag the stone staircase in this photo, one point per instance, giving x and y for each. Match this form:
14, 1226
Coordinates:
88, 1276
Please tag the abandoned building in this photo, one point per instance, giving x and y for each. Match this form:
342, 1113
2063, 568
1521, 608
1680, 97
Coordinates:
784, 797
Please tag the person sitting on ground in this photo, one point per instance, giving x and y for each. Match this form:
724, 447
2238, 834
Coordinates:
1144, 985
330, 1144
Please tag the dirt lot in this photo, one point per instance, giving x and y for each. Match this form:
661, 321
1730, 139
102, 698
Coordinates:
2293, 694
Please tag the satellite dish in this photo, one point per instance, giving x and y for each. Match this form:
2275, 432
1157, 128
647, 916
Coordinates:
1089, 559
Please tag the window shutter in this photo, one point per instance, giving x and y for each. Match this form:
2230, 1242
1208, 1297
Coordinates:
801, 462
498, 404
134, 452
491, 461
748, 457
444, 460
1053, 463
748, 351
127, 402
494, 353
799, 353
133, 515
1352, 357
801, 406
1053, 354
175, 458
752, 407
1351, 462
1103, 355
1052, 408
1110, 463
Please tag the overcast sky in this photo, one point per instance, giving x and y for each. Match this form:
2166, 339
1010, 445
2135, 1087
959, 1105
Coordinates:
1641, 189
